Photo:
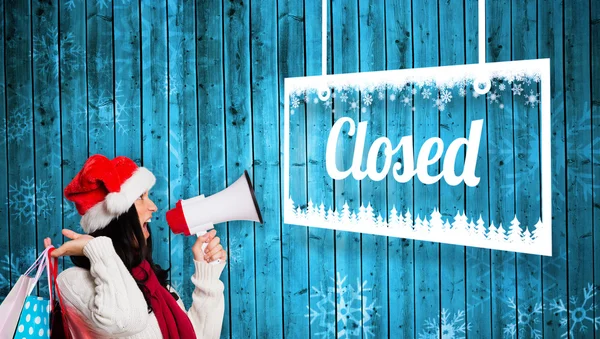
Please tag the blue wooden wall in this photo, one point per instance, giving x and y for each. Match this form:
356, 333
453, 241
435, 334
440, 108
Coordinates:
193, 90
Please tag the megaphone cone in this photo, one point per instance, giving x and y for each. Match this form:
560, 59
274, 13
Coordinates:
199, 214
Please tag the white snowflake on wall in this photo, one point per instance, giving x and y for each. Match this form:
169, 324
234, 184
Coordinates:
346, 302
532, 99
19, 124
453, 326
526, 321
581, 314
23, 198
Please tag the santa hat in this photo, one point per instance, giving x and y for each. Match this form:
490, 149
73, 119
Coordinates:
105, 189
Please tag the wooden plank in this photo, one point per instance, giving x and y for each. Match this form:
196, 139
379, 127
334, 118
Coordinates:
595, 83
211, 121
501, 172
321, 259
554, 278
345, 36
128, 79
19, 108
47, 134
294, 239
183, 134
73, 102
400, 196
374, 256
452, 126
100, 78
426, 197
265, 120
155, 126
238, 140
4, 229
527, 173
478, 271
580, 187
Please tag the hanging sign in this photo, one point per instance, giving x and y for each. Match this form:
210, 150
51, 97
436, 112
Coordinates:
500, 159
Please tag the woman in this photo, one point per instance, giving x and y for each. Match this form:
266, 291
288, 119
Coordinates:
115, 285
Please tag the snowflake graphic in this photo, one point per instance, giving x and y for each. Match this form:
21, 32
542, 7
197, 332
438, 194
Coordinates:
493, 97
581, 314
70, 5
446, 96
295, 102
406, 101
315, 101
439, 103
475, 95
462, 92
532, 99
501, 106
344, 97
23, 199
72, 54
19, 124
101, 4
453, 326
235, 250
526, 321
380, 95
45, 52
413, 91
367, 99
353, 312
306, 98
392, 97
426, 93
517, 89
44, 199
327, 103
354, 105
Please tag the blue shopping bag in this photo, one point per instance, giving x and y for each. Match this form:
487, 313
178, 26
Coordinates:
35, 319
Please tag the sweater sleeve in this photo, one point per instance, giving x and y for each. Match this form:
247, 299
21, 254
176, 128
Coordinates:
106, 295
208, 305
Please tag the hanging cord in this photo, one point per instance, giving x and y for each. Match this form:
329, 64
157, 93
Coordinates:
482, 84
324, 91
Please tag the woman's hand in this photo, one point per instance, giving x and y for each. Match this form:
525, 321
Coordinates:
73, 247
213, 251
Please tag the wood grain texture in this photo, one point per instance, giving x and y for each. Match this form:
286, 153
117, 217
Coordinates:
264, 84
238, 141
554, 279
100, 78
4, 162
47, 157
155, 119
183, 134
19, 108
401, 286
426, 125
453, 124
478, 262
294, 239
211, 119
579, 153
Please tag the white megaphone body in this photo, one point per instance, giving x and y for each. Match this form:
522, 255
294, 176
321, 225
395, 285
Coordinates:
199, 214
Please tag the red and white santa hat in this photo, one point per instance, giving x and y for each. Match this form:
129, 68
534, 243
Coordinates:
105, 189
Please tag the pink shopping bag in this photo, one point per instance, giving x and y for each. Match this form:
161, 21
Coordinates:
10, 309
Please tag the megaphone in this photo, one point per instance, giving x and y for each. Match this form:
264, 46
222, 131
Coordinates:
199, 214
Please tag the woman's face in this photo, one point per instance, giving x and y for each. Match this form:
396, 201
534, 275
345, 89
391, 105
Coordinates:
145, 207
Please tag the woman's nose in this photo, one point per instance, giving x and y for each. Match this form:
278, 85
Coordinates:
152, 207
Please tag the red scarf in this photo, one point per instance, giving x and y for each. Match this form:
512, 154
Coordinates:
172, 320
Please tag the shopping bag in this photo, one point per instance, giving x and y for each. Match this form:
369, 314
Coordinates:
65, 321
11, 307
35, 319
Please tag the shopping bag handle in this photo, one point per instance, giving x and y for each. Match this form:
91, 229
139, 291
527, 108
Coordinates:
41, 263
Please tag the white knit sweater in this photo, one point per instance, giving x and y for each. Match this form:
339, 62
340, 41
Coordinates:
111, 302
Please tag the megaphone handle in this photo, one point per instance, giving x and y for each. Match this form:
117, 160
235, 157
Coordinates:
199, 234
